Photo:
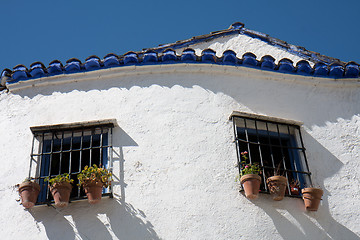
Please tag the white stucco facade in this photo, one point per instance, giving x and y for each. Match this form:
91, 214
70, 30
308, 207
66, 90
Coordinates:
174, 156
241, 43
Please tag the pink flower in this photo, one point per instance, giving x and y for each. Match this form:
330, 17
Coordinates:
246, 166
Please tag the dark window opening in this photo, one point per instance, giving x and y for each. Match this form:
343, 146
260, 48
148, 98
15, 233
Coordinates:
277, 147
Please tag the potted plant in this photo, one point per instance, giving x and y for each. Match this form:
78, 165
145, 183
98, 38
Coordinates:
29, 192
60, 188
312, 197
277, 185
295, 187
250, 179
93, 179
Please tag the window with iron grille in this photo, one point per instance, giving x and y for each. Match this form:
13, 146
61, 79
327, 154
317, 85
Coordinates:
68, 148
276, 145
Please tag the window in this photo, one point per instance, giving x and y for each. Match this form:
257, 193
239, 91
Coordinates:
276, 145
68, 148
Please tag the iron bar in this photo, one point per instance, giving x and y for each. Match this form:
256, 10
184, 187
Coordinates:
31, 156
81, 152
110, 154
303, 151
237, 148
260, 154
247, 139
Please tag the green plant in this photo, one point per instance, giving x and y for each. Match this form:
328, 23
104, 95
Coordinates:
95, 174
248, 168
59, 179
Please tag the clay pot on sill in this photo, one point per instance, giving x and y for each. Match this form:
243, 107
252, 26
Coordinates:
312, 198
251, 185
29, 192
277, 187
61, 193
93, 191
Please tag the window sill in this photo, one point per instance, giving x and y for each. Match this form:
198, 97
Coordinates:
81, 198
286, 195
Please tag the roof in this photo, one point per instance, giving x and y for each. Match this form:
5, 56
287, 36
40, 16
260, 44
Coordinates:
312, 63
239, 29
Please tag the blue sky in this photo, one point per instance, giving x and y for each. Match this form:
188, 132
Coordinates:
47, 30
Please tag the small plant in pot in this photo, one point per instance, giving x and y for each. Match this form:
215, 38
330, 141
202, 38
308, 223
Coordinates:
93, 179
249, 177
29, 192
312, 197
277, 185
295, 187
60, 188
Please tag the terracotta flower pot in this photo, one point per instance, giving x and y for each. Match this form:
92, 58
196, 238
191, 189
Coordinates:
93, 191
251, 185
61, 193
277, 187
312, 198
29, 192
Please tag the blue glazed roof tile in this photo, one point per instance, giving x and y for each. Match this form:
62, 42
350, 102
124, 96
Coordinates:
55, 67
20, 72
249, 59
73, 65
229, 57
320, 70
150, 57
92, 63
111, 60
188, 55
5, 76
267, 62
208, 55
352, 70
130, 58
37, 69
303, 67
336, 70
168, 55
286, 65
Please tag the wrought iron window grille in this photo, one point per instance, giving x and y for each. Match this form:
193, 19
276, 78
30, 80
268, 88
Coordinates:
68, 148
276, 145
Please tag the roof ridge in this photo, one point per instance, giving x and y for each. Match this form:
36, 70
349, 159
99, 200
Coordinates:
239, 28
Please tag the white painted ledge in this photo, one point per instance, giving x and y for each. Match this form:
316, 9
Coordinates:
265, 118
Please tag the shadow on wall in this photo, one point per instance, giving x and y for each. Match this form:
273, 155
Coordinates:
108, 220
120, 139
294, 224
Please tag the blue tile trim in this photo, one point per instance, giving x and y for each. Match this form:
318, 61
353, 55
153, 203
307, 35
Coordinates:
208, 56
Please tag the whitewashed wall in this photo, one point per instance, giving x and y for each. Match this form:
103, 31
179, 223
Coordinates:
241, 44
174, 160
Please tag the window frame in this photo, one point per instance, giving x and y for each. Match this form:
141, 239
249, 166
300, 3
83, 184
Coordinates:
89, 129
296, 145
